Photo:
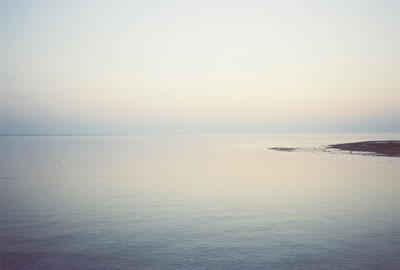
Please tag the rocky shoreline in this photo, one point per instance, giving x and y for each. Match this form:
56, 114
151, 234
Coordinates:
389, 148
379, 148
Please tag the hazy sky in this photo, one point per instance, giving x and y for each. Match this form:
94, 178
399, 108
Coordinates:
199, 66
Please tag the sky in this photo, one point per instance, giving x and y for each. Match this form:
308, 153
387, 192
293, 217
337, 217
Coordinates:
171, 67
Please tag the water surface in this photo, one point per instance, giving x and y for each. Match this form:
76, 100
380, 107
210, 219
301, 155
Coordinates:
196, 202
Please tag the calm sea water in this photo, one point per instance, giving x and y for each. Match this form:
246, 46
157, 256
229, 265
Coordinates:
196, 202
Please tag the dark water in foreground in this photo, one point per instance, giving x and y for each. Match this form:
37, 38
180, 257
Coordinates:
196, 202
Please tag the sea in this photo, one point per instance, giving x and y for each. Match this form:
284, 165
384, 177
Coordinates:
197, 202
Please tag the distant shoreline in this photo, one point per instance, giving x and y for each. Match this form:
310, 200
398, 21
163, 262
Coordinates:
387, 148
379, 148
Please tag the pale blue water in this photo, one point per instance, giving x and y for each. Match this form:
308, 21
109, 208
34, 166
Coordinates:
196, 202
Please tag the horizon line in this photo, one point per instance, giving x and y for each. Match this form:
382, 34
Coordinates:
188, 133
